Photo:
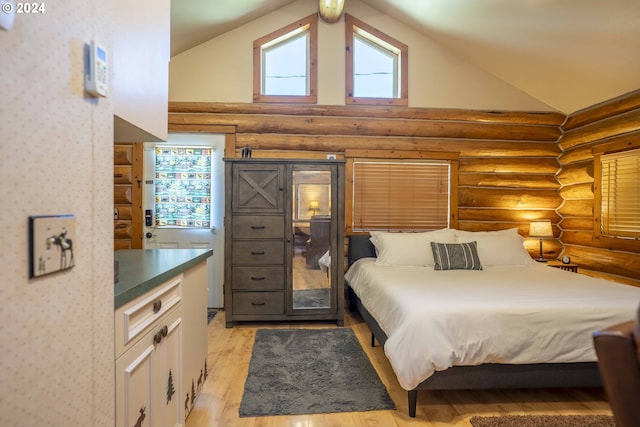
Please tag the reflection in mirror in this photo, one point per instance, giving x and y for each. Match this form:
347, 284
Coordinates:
311, 239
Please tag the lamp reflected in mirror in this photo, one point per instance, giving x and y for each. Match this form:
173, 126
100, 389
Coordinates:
314, 207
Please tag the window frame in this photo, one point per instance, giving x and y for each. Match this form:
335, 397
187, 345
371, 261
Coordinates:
309, 24
401, 80
391, 155
598, 151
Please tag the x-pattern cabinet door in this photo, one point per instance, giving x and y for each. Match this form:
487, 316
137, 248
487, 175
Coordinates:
259, 188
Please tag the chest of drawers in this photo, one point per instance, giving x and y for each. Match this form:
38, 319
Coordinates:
263, 206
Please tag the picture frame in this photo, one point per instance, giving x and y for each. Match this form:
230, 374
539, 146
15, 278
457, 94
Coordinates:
51, 244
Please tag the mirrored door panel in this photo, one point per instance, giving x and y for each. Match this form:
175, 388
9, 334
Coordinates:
311, 222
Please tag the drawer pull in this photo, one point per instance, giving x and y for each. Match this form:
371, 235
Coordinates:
258, 303
257, 227
257, 252
157, 305
257, 277
157, 338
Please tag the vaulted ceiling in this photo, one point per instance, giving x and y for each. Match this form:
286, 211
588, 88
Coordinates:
569, 54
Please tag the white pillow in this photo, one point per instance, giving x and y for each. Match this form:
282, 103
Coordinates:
503, 247
408, 249
508, 231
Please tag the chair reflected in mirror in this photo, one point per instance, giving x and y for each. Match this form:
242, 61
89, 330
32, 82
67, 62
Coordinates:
320, 239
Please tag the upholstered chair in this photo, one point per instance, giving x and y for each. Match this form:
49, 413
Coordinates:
618, 350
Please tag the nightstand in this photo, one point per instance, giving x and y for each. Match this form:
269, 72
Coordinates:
560, 265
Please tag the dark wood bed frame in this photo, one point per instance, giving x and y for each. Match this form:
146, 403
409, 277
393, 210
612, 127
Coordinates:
486, 376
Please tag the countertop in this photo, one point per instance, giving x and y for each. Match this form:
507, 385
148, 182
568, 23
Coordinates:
140, 270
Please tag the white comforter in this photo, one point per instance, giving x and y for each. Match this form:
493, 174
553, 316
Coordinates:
508, 314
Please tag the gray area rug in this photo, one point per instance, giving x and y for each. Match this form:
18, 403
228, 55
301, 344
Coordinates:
309, 371
544, 421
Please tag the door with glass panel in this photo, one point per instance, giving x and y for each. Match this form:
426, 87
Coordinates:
182, 191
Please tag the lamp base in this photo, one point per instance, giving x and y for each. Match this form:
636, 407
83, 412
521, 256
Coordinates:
540, 258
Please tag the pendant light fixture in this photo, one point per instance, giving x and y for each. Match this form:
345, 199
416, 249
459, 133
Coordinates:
330, 10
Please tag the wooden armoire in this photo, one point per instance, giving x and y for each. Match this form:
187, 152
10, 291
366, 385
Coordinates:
269, 207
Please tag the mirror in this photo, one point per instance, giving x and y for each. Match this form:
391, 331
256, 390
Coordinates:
311, 221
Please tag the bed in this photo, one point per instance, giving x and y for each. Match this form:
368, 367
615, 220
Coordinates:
503, 321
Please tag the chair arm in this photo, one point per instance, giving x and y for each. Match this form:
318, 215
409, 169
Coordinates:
619, 369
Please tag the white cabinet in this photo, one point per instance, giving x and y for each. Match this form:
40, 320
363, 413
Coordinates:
141, 52
194, 356
149, 377
161, 351
149, 362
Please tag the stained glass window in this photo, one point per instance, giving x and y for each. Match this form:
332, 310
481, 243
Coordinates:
183, 186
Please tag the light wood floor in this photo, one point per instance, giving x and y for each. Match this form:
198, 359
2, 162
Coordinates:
228, 361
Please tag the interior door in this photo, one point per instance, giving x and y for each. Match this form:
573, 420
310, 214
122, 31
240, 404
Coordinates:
171, 224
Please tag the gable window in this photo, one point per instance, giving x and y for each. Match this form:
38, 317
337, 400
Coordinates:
617, 191
284, 63
376, 66
410, 191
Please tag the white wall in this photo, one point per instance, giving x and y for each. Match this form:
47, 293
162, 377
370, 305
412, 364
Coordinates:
56, 331
221, 69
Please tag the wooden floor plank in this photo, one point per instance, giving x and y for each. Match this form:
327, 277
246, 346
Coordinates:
228, 360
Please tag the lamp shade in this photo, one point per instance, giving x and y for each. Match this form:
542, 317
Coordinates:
540, 228
313, 204
330, 10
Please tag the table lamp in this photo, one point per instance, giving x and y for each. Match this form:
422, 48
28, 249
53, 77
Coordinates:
540, 228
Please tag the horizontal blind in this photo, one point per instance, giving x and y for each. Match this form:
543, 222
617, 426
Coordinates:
400, 195
620, 207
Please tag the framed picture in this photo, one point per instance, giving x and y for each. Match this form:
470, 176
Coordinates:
51, 243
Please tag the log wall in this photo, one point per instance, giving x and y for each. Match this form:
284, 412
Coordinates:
127, 195
614, 120
508, 160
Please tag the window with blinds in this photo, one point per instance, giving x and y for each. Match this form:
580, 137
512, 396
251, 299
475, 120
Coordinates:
400, 194
620, 194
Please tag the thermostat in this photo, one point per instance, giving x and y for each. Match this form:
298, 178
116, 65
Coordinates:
96, 81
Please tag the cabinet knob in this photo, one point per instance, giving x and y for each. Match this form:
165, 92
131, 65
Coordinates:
254, 303
164, 330
157, 305
258, 277
257, 227
157, 338
257, 252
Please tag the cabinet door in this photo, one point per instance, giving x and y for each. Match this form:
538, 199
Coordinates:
135, 404
149, 378
170, 374
314, 243
258, 188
